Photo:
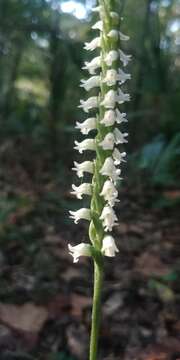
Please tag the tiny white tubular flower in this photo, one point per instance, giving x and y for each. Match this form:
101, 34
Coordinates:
114, 15
113, 76
108, 217
81, 249
98, 26
109, 118
109, 169
120, 117
124, 58
122, 76
88, 125
110, 99
123, 37
110, 193
87, 144
83, 189
86, 166
90, 83
77, 215
109, 247
93, 65
89, 104
108, 142
111, 57
120, 137
113, 34
94, 44
118, 156
122, 97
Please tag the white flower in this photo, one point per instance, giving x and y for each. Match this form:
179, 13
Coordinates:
113, 34
109, 169
108, 218
83, 189
111, 57
89, 104
123, 37
109, 118
86, 166
110, 99
108, 142
87, 144
124, 58
122, 97
109, 193
80, 214
109, 247
120, 137
122, 76
94, 44
98, 26
92, 82
118, 157
120, 117
88, 125
111, 77
93, 65
114, 15
81, 249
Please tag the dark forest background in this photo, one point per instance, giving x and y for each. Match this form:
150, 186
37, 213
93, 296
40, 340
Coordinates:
41, 59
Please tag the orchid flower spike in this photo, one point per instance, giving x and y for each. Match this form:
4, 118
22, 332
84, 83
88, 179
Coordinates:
104, 79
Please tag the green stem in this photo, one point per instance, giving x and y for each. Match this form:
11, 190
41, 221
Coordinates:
96, 311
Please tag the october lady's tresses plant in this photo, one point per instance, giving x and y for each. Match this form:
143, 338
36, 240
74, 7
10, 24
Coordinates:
106, 76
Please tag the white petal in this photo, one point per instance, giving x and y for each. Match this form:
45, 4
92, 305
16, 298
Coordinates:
83, 213
87, 144
90, 83
109, 247
81, 249
108, 142
94, 44
83, 189
89, 104
88, 125
86, 166
123, 37
111, 57
98, 26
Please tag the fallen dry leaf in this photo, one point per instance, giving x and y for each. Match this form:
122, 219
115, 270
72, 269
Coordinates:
149, 264
26, 318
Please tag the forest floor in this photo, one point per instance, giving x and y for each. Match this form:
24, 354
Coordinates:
45, 299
